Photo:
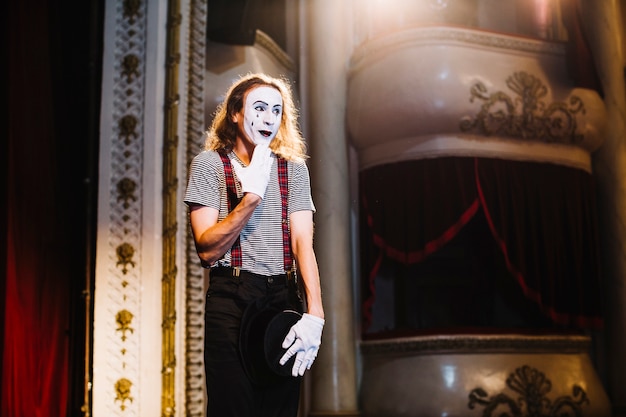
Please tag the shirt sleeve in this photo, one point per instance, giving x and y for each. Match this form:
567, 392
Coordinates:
203, 185
300, 189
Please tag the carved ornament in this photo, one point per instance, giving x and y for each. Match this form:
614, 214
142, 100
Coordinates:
128, 126
122, 390
524, 115
130, 66
125, 253
131, 10
532, 388
126, 189
123, 319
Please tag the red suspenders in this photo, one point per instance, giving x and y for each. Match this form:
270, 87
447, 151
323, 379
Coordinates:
233, 200
284, 187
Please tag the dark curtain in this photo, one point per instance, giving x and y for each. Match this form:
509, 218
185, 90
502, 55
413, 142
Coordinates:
542, 218
409, 210
580, 63
49, 130
35, 357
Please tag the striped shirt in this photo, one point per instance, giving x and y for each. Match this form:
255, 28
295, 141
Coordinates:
261, 238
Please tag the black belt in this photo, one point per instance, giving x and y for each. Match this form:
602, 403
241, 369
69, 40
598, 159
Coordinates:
227, 271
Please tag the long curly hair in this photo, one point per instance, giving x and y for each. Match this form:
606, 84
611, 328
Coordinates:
288, 143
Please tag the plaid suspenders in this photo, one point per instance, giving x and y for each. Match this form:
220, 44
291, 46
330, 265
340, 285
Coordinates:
283, 184
233, 200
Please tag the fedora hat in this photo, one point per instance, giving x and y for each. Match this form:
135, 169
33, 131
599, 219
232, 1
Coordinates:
263, 330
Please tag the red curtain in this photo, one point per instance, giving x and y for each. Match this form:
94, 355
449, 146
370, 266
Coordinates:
37, 295
544, 220
541, 216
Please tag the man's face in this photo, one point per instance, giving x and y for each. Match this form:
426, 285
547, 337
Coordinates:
262, 113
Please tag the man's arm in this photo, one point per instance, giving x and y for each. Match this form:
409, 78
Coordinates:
302, 247
304, 337
213, 238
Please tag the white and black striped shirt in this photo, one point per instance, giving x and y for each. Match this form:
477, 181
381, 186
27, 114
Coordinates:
261, 238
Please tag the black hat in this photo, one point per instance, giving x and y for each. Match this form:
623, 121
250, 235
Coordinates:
263, 330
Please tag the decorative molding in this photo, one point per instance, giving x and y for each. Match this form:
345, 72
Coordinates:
477, 344
124, 318
126, 192
122, 389
122, 279
470, 146
376, 48
132, 9
125, 253
526, 116
533, 388
195, 405
170, 211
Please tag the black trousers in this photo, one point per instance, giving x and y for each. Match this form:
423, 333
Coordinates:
230, 391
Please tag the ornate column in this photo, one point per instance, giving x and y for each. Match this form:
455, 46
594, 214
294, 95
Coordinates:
333, 384
139, 345
127, 295
601, 20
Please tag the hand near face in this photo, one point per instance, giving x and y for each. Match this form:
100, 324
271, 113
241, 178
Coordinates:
256, 175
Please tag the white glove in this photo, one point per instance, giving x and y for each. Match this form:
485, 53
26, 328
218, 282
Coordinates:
256, 175
303, 340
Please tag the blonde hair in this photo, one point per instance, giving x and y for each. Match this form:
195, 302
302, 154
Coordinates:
222, 134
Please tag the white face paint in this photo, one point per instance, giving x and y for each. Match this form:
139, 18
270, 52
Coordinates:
263, 111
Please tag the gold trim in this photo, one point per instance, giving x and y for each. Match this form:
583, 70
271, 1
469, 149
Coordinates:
125, 253
128, 128
126, 192
124, 318
170, 185
122, 390
195, 401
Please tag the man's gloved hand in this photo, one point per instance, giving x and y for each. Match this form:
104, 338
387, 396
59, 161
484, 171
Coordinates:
256, 175
303, 340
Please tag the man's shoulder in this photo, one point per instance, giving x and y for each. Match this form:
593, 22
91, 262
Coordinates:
293, 162
207, 155
208, 158
298, 167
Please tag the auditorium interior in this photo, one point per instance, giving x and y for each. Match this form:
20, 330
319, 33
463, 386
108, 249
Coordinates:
468, 169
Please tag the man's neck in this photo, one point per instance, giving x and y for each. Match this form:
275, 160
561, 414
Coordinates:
243, 149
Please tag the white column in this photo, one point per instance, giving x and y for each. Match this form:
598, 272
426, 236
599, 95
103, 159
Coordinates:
128, 268
602, 24
333, 382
